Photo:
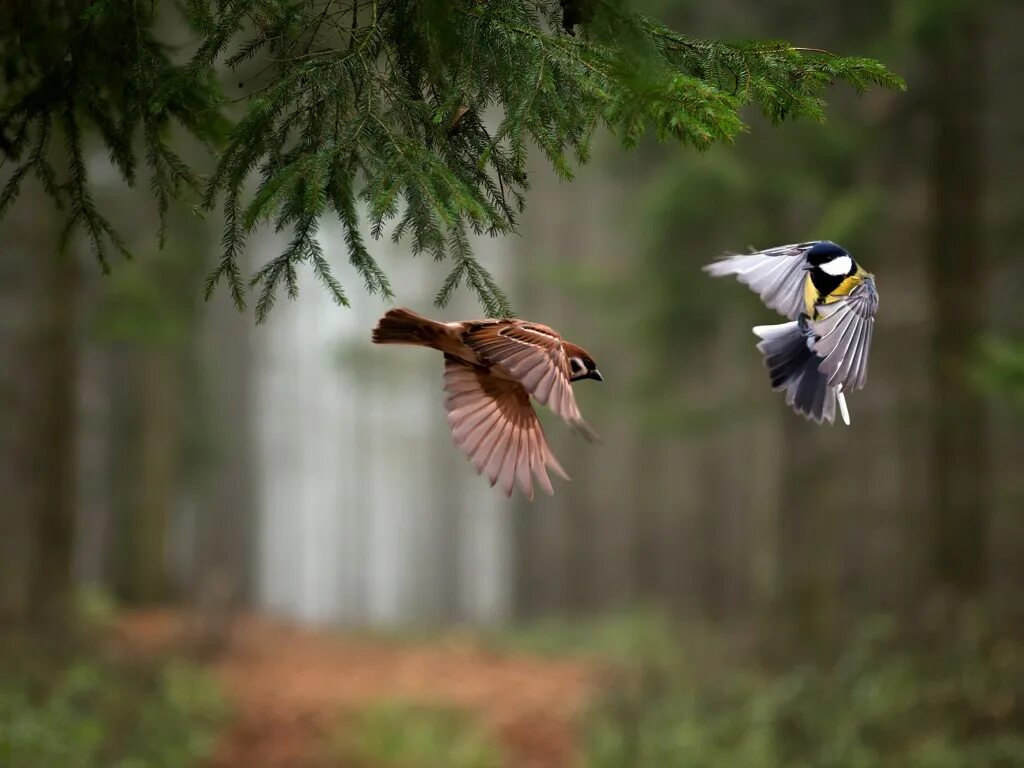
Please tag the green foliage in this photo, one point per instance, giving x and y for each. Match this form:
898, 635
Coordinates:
1000, 369
396, 735
392, 113
387, 102
88, 711
620, 638
152, 300
71, 67
951, 697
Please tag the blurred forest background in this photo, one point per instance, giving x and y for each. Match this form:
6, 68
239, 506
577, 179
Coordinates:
755, 590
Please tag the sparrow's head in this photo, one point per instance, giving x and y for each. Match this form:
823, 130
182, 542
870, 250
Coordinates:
830, 259
581, 364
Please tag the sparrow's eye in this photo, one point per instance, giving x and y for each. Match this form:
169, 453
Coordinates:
577, 365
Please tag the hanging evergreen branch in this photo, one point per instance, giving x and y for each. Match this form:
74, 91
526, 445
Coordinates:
374, 110
75, 66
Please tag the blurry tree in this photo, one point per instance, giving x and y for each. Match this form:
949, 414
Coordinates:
954, 46
53, 519
37, 429
72, 71
149, 312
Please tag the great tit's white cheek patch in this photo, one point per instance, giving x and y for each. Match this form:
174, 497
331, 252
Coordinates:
840, 265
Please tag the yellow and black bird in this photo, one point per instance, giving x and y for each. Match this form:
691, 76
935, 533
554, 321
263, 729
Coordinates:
831, 300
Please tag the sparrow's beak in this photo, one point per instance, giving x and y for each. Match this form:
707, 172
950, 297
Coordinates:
594, 374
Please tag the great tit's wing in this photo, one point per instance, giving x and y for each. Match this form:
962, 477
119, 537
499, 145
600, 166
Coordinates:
844, 329
777, 275
533, 355
494, 424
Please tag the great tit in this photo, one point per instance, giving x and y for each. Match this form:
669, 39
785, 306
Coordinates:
831, 300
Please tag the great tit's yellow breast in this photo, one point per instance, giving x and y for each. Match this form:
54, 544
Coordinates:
811, 296
844, 288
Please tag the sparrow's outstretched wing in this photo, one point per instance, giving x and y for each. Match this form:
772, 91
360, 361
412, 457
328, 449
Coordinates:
844, 329
533, 355
494, 424
777, 275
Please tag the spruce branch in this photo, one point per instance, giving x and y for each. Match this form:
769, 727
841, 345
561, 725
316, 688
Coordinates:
371, 111
97, 68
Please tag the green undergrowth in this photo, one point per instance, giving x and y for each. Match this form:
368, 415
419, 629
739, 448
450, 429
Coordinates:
69, 700
616, 638
945, 690
945, 695
405, 735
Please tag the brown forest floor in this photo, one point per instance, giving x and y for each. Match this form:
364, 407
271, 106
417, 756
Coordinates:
288, 687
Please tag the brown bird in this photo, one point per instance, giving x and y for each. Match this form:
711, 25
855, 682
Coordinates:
491, 368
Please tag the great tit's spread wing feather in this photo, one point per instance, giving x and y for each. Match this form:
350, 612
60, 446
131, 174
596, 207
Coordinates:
777, 275
844, 329
533, 355
494, 424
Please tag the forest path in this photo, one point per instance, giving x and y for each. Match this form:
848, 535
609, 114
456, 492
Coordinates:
290, 687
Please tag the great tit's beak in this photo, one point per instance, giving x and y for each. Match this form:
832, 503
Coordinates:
807, 267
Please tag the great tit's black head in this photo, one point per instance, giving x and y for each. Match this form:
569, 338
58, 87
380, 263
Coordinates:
832, 259
581, 364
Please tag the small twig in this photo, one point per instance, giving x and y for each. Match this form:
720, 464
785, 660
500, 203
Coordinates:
319, 23
355, 26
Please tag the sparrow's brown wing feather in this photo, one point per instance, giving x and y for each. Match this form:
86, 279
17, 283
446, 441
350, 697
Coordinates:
494, 424
533, 355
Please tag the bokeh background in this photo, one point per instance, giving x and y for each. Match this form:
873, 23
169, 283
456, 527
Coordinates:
278, 558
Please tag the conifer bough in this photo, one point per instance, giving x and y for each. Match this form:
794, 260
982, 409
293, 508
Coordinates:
412, 116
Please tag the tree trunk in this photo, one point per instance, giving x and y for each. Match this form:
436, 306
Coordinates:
37, 429
226, 528
152, 475
959, 462
37, 367
54, 471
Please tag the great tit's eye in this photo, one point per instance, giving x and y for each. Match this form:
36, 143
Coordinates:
577, 365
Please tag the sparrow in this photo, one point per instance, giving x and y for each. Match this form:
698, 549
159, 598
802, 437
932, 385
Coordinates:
491, 369
831, 301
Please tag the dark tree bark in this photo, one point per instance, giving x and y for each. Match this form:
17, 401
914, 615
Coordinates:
54, 517
959, 460
38, 351
25, 271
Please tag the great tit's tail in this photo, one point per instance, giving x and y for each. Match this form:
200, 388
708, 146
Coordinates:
403, 326
793, 368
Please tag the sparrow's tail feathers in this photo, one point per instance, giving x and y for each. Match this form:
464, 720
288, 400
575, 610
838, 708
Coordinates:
793, 368
403, 326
